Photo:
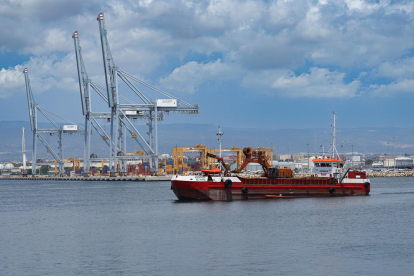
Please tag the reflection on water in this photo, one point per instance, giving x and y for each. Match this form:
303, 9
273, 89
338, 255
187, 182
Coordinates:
84, 228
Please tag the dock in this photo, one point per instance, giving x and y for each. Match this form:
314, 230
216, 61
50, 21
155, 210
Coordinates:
93, 178
372, 174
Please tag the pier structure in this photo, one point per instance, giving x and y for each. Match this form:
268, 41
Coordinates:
93, 178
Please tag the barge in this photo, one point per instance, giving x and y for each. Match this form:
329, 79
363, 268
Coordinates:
329, 179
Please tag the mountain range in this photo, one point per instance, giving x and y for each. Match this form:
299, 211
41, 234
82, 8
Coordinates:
365, 140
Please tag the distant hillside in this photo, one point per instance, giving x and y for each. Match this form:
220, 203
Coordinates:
365, 140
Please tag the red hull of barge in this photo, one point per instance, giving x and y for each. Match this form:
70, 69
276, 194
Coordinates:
267, 188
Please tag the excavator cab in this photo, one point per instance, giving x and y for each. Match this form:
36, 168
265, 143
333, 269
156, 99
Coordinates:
280, 173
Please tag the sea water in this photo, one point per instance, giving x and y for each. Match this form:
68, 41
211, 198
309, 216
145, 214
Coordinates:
140, 228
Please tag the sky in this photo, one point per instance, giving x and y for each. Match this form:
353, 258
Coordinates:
257, 64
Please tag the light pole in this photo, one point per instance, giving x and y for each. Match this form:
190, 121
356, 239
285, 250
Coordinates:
202, 140
394, 152
288, 153
388, 151
165, 156
352, 157
271, 145
343, 146
219, 134
308, 156
277, 147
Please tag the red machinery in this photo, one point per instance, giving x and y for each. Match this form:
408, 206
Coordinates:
256, 156
214, 171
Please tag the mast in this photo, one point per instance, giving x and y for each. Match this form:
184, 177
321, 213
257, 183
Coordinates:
219, 134
333, 147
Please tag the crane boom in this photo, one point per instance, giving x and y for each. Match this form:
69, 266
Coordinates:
82, 76
32, 117
30, 101
109, 65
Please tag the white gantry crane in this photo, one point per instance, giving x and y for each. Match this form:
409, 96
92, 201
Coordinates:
91, 119
37, 133
121, 113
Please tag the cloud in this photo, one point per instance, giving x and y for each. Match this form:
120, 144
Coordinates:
192, 74
268, 39
45, 73
401, 86
397, 69
397, 145
11, 81
397, 75
263, 34
318, 83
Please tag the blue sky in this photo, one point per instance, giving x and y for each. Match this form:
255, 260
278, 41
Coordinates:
265, 64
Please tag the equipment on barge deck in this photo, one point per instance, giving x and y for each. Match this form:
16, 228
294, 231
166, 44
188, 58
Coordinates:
259, 156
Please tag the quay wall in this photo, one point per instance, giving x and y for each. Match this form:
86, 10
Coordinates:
93, 178
371, 174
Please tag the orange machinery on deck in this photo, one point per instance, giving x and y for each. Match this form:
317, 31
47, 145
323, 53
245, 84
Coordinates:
260, 157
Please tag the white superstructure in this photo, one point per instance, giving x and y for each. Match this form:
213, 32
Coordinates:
327, 167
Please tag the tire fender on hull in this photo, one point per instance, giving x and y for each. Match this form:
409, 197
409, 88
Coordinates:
228, 183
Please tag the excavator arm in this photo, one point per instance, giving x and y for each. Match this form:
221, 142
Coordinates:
254, 157
221, 161
247, 159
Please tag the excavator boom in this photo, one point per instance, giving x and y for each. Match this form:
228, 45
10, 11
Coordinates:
221, 161
254, 157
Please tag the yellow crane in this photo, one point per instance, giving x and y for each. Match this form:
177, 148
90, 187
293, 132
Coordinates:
178, 153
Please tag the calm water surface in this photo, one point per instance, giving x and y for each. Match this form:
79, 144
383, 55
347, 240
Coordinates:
139, 228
